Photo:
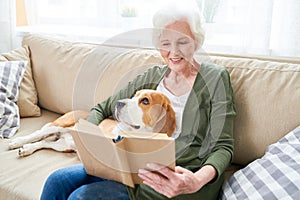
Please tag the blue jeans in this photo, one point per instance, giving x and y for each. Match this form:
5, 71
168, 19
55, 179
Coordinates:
73, 183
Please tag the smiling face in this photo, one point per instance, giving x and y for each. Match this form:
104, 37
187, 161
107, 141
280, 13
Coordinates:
177, 46
147, 111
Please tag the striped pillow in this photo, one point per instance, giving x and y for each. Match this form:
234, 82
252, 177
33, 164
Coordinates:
11, 74
276, 175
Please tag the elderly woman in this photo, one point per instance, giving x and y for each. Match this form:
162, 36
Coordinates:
202, 98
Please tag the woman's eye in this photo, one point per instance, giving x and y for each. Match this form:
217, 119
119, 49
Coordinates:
145, 101
165, 44
183, 43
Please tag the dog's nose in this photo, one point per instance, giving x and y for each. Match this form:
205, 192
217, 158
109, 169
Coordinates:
120, 104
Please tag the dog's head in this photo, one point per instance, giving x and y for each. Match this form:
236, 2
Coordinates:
148, 110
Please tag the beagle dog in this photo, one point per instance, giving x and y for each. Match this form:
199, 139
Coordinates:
147, 111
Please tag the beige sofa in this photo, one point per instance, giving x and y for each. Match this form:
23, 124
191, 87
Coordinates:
72, 75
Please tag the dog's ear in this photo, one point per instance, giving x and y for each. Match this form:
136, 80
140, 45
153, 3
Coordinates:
171, 120
166, 122
170, 124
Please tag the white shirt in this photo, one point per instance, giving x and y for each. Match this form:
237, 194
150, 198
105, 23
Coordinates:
178, 103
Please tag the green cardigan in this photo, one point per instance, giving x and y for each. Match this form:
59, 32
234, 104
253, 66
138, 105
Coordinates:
207, 126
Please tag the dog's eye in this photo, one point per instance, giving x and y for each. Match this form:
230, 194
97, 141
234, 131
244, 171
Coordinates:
145, 101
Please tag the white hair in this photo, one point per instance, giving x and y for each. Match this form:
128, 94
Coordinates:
175, 12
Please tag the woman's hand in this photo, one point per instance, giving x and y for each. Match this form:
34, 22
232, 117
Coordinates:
172, 183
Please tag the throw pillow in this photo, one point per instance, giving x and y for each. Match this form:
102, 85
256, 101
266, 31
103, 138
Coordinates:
11, 74
274, 176
27, 100
2, 58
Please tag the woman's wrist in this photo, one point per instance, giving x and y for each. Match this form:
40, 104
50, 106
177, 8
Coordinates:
206, 174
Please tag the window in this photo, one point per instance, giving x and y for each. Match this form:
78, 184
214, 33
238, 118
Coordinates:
268, 27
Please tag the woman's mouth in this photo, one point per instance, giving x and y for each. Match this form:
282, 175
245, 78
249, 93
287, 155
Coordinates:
176, 60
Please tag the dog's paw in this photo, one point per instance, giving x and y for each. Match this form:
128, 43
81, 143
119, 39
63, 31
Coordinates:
15, 143
25, 151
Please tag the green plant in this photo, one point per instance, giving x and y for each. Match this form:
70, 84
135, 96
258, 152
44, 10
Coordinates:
129, 12
209, 9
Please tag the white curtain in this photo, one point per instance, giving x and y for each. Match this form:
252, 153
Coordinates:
263, 27
7, 25
240, 26
257, 27
285, 37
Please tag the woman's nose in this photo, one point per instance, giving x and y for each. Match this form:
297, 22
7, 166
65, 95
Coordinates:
174, 49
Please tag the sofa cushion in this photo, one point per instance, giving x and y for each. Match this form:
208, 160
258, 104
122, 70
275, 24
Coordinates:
11, 73
27, 101
55, 64
267, 98
125, 66
23, 178
74, 75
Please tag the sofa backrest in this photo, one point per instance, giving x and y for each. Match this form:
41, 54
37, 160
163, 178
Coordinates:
267, 98
267, 93
66, 73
